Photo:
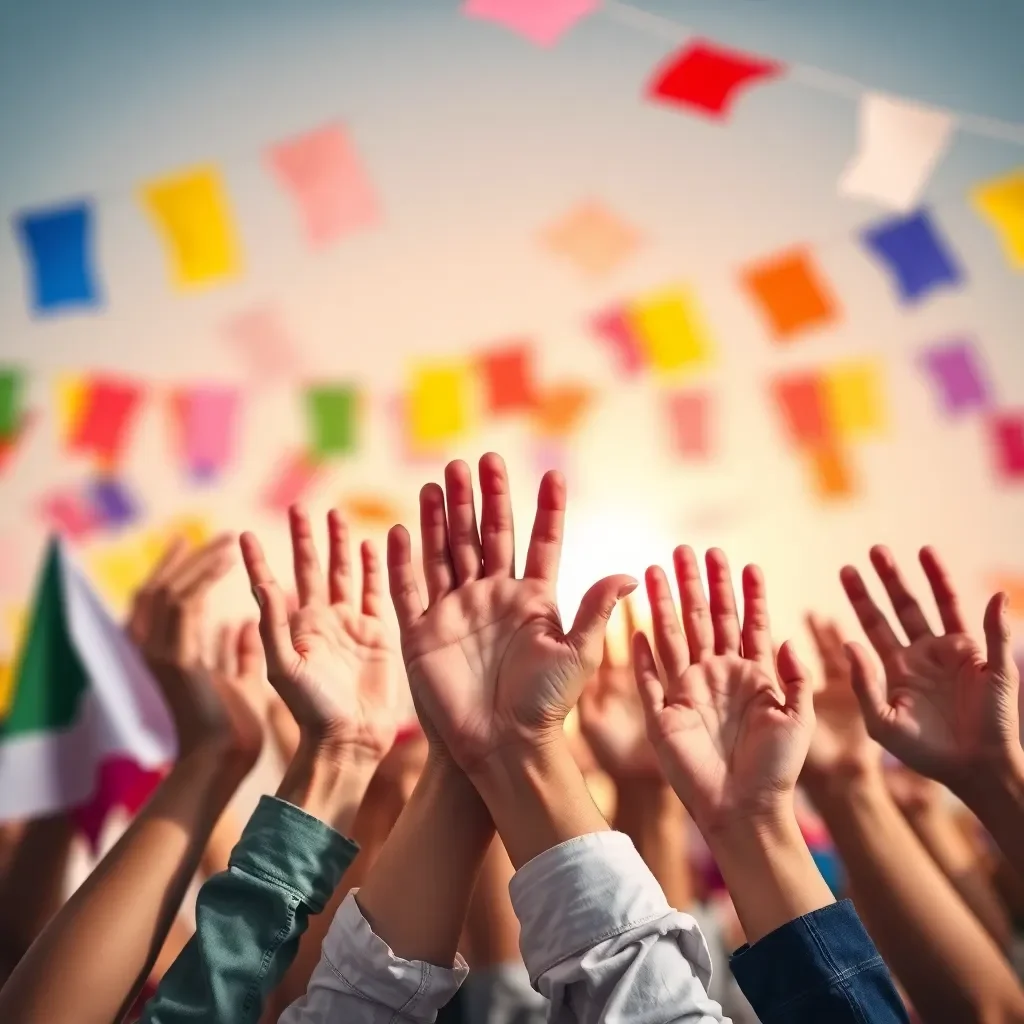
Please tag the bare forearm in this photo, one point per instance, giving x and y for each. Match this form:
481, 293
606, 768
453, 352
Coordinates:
650, 813
997, 798
961, 864
950, 967
538, 799
770, 873
492, 927
130, 899
417, 893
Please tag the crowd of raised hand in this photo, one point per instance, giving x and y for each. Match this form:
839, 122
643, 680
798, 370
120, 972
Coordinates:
348, 895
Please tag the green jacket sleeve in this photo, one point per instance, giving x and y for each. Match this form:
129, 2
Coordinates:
249, 918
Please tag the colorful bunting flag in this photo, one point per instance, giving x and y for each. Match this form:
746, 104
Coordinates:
543, 22
671, 330
831, 472
11, 413
856, 405
82, 696
261, 338
207, 418
1006, 432
916, 255
802, 403
113, 505
614, 326
508, 378
561, 408
192, 213
438, 404
333, 412
901, 143
326, 179
57, 244
689, 423
593, 238
708, 78
69, 513
105, 416
957, 372
371, 510
293, 478
1001, 203
791, 293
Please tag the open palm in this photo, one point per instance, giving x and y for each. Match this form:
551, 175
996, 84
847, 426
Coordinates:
487, 659
730, 743
611, 717
947, 708
329, 661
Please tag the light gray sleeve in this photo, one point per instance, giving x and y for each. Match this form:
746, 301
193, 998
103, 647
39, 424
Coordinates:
601, 942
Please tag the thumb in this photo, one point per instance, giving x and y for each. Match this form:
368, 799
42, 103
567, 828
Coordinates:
870, 694
796, 683
588, 628
997, 636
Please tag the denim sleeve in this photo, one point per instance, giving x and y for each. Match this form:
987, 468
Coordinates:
249, 918
820, 967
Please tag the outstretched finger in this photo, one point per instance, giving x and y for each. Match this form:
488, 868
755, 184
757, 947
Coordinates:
668, 636
870, 692
757, 632
998, 653
339, 562
700, 636
648, 683
942, 590
310, 586
463, 536
873, 622
274, 631
497, 536
796, 683
405, 594
437, 562
908, 611
545, 550
372, 584
225, 658
198, 571
725, 619
590, 626
249, 651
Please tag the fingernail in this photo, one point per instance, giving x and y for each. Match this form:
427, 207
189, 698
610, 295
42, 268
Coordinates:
626, 589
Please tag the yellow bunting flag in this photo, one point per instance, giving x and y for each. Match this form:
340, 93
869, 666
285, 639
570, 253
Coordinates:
1001, 203
191, 211
72, 392
671, 330
831, 472
855, 399
438, 404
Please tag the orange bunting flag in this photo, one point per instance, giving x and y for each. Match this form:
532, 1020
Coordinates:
561, 408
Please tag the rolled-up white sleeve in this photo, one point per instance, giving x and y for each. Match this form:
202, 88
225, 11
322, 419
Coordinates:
359, 980
601, 942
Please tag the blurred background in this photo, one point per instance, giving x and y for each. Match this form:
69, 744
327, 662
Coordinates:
747, 271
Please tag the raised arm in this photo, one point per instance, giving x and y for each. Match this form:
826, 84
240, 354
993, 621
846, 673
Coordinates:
941, 954
647, 809
494, 674
946, 708
732, 740
133, 894
329, 663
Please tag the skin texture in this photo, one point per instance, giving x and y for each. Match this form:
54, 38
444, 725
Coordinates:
943, 957
730, 738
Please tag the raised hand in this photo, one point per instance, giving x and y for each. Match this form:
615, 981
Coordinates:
947, 709
167, 622
328, 659
840, 745
612, 719
729, 741
488, 661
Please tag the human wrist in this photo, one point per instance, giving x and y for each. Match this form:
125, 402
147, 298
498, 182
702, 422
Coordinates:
834, 784
650, 799
996, 790
327, 781
536, 796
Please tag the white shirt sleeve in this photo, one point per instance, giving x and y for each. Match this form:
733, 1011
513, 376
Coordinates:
601, 942
359, 980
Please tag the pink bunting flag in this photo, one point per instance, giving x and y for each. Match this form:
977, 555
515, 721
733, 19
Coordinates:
260, 337
614, 327
293, 478
326, 179
207, 417
70, 513
689, 423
